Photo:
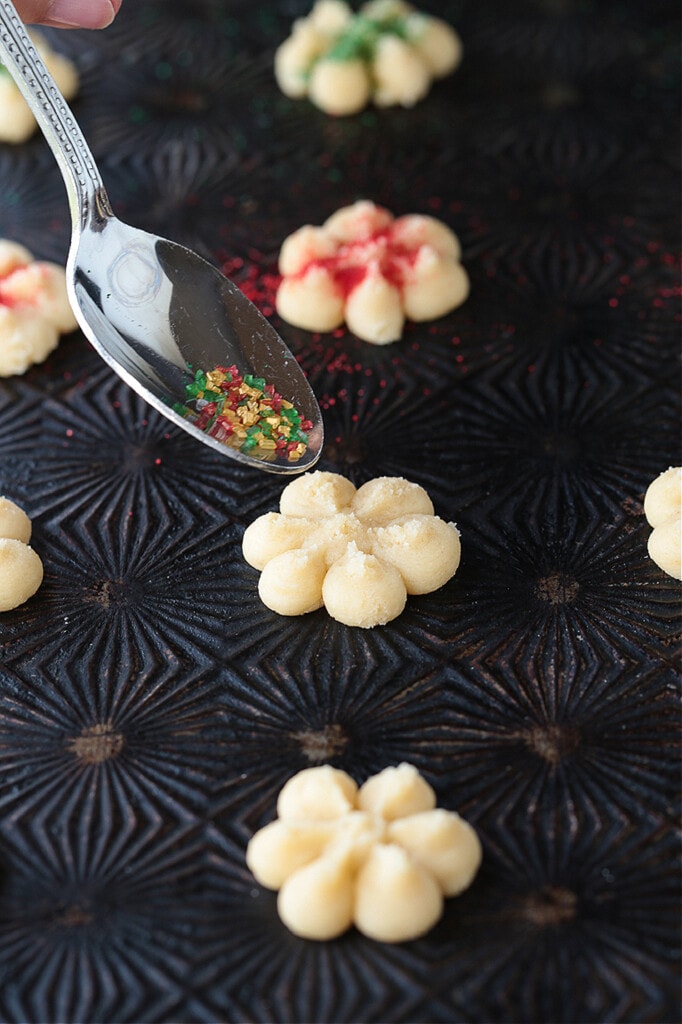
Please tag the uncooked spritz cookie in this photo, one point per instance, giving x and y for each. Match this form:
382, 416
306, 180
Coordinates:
381, 857
372, 270
388, 53
34, 309
17, 122
359, 552
663, 510
21, 570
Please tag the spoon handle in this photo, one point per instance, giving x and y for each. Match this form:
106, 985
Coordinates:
87, 196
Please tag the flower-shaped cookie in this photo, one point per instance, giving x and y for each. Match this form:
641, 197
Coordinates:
663, 510
17, 122
34, 309
372, 270
381, 857
21, 571
388, 53
357, 552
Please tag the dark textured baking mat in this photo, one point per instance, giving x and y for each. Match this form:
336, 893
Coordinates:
151, 707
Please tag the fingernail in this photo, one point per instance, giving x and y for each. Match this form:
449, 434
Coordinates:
82, 13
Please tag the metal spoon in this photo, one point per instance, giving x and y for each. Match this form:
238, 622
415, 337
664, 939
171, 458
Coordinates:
155, 311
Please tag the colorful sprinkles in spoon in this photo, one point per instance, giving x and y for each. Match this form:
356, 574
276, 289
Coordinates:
245, 412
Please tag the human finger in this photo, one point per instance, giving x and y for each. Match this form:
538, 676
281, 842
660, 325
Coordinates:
68, 13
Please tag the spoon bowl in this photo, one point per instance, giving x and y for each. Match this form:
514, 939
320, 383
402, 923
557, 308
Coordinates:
154, 310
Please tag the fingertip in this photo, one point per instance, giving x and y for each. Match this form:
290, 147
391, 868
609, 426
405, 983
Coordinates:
91, 14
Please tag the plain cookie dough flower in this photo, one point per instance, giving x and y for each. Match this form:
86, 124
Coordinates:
388, 53
381, 856
21, 570
357, 552
17, 122
663, 510
34, 309
371, 270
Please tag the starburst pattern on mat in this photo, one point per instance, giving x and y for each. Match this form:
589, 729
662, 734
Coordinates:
283, 717
78, 928
563, 192
563, 897
556, 38
215, 105
131, 737
179, 187
99, 448
591, 738
576, 312
33, 206
157, 98
522, 440
496, 436
572, 583
378, 422
136, 579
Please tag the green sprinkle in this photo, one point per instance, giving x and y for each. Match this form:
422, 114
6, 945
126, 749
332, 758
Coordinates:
359, 39
138, 115
163, 70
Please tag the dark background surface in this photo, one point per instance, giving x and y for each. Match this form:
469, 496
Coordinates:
151, 707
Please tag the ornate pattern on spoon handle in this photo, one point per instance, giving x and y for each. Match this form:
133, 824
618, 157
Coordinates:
55, 119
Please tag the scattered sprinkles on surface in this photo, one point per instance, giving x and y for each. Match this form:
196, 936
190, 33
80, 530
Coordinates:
244, 412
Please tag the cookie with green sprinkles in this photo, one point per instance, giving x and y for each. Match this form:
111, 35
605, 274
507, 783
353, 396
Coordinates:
387, 53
